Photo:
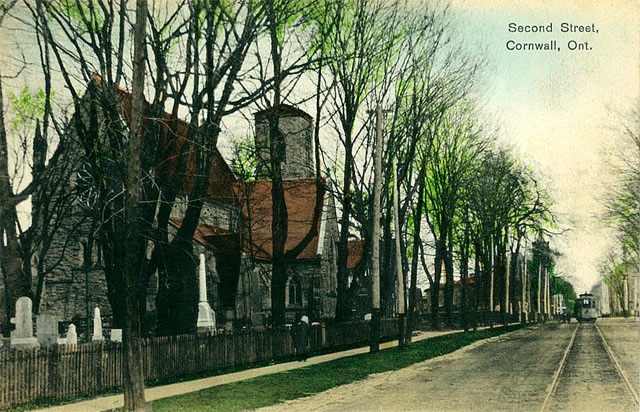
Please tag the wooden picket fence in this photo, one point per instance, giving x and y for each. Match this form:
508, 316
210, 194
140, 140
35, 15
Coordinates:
70, 371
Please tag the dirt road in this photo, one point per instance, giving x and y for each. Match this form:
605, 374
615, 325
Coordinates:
517, 372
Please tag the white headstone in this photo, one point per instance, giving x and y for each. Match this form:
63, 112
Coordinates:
116, 335
72, 335
97, 326
47, 329
206, 316
22, 336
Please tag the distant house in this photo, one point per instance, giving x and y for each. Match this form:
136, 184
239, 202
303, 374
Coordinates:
234, 232
457, 295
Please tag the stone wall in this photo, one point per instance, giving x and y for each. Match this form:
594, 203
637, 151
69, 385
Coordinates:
256, 278
213, 213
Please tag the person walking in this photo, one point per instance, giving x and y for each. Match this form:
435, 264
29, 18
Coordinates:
300, 335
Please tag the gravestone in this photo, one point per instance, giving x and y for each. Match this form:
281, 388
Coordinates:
22, 336
116, 335
228, 325
206, 316
72, 335
97, 326
46, 329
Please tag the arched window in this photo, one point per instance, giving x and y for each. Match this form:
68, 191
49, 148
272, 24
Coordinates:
294, 292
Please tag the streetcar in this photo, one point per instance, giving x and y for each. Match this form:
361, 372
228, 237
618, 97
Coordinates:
586, 308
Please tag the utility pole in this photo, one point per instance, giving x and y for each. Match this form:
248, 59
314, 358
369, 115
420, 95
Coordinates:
538, 308
402, 320
507, 285
549, 313
374, 345
523, 287
491, 280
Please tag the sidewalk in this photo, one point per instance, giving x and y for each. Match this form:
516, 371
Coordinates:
107, 403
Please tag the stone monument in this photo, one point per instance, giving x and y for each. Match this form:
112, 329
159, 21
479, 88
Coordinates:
116, 335
97, 326
22, 336
46, 329
72, 335
206, 316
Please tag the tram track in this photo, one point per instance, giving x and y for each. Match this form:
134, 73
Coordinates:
589, 372
621, 371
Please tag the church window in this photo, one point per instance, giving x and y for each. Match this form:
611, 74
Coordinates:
294, 292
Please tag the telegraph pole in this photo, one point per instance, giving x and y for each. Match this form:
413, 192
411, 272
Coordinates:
374, 345
402, 320
491, 280
539, 308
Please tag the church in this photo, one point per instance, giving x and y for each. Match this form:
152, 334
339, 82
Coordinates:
236, 238
234, 232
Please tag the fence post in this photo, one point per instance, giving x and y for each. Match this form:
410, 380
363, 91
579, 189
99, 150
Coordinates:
54, 373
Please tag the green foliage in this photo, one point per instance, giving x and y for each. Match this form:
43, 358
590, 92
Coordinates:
623, 200
245, 161
542, 255
83, 12
27, 108
272, 389
616, 272
561, 286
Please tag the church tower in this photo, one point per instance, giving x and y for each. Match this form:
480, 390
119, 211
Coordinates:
297, 129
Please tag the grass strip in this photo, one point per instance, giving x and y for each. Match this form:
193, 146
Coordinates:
309, 380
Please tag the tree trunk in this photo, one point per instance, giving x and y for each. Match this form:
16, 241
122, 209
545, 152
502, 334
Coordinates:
133, 376
279, 226
417, 240
439, 261
464, 273
449, 284
16, 282
280, 216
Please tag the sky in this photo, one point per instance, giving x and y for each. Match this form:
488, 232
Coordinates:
560, 109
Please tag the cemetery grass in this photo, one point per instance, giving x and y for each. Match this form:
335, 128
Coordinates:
309, 380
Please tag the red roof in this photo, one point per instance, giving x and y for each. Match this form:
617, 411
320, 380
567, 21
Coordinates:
255, 203
355, 253
470, 281
173, 135
253, 198
213, 238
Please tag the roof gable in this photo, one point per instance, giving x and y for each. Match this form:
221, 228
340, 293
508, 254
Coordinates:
255, 202
172, 137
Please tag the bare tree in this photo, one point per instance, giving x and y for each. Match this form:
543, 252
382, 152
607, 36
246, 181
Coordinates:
16, 282
623, 202
133, 378
457, 143
623, 210
358, 52
38, 174
504, 198
197, 51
